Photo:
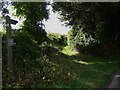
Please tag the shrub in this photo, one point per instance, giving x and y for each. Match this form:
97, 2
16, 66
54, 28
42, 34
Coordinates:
42, 73
30, 67
48, 49
58, 38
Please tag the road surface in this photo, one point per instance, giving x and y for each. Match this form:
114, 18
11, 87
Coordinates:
115, 84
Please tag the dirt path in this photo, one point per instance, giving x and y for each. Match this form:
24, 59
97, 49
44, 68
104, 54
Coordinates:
115, 82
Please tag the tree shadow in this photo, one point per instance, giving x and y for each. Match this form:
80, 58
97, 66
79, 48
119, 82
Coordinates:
79, 61
83, 57
87, 67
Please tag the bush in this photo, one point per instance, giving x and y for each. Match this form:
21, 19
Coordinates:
81, 41
58, 38
48, 49
31, 68
42, 73
92, 49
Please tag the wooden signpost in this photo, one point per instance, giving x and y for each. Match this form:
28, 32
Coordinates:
9, 43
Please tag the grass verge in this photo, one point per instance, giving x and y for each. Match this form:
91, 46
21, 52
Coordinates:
91, 72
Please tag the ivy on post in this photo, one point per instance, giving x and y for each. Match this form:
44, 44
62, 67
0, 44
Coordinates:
9, 44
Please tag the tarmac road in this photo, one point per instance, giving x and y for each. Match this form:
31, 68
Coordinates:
115, 84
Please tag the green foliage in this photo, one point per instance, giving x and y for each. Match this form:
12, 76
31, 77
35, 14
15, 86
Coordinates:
91, 72
31, 68
98, 20
58, 38
34, 13
71, 36
67, 51
82, 42
30, 8
43, 74
48, 49
25, 46
25, 51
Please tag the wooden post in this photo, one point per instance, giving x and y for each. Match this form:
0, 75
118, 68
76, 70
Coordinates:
9, 47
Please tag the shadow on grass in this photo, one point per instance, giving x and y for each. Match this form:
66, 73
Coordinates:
91, 71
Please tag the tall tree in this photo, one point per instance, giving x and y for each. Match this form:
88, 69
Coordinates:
34, 14
100, 20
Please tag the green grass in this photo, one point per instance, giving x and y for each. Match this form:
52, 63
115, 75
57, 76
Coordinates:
90, 72
66, 50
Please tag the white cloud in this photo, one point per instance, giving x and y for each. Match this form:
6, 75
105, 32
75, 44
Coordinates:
54, 25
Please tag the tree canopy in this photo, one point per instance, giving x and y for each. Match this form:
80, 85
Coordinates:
100, 20
34, 13
53, 60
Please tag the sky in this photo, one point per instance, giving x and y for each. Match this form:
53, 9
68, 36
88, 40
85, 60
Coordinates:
52, 25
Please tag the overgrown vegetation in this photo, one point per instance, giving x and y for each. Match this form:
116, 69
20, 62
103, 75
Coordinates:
31, 68
33, 23
90, 72
83, 59
58, 38
97, 21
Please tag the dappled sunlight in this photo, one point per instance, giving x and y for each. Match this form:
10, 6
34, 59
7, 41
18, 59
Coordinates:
66, 50
85, 57
83, 62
